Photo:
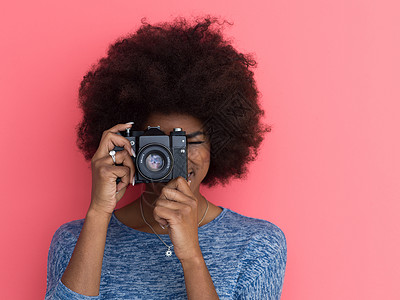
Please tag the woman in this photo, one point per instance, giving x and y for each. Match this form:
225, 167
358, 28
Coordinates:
171, 242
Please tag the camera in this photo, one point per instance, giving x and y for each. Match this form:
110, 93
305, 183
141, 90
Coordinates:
159, 157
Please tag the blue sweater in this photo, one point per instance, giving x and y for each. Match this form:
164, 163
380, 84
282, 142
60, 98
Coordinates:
246, 258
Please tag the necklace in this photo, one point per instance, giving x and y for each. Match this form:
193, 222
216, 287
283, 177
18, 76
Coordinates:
168, 252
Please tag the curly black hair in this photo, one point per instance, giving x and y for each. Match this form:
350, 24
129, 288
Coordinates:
177, 67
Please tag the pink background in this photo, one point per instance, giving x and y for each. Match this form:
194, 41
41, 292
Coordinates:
328, 173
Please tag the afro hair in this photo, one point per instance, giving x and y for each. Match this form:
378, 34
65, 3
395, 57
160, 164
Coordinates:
177, 67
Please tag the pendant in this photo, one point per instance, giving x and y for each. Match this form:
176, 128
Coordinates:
168, 253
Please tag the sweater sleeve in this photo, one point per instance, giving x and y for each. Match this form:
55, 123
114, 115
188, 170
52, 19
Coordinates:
60, 252
265, 274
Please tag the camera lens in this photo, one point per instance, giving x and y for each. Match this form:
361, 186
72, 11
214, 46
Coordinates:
154, 162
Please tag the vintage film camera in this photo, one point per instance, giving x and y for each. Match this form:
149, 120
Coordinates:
159, 157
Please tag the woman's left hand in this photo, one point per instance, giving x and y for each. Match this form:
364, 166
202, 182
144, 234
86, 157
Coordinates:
177, 207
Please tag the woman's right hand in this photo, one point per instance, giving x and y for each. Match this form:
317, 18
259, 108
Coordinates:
105, 192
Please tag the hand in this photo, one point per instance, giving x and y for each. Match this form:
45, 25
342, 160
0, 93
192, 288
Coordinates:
105, 192
177, 207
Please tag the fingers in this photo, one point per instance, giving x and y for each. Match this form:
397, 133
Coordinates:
124, 158
173, 201
162, 221
120, 194
121, 157
110, 174
110, 139
167, 216
123, 173
173, 206
174, 195
120, 127
179, 184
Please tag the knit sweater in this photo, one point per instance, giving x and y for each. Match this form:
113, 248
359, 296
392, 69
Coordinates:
246, 258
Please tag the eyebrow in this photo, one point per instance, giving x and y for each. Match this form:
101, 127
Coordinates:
190, 135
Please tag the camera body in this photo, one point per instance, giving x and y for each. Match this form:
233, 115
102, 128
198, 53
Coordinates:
159, 157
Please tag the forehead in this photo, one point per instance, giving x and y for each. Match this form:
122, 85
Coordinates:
168, 122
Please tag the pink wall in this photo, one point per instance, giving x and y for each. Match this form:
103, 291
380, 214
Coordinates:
328, 173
